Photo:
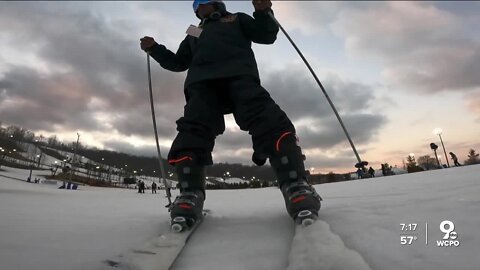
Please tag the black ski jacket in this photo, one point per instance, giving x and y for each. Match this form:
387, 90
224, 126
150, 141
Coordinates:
224, 48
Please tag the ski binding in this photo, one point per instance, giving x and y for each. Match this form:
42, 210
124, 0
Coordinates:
180, 224
305, 218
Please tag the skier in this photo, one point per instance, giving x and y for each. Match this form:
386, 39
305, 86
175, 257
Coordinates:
154, 188
371, 172
223, 78
360, 173
455, 159
142, 184
384, 170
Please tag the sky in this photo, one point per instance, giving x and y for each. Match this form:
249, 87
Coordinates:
394, 70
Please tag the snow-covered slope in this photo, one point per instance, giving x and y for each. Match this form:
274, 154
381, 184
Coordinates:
42, 227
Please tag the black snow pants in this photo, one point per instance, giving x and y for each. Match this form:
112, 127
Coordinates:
207, 102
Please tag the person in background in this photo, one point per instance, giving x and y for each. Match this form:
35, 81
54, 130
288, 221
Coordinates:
371, 171
142, 184
360, 173
455, 159
154, 187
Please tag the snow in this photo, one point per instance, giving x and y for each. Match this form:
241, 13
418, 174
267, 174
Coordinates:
43, 227
328, 251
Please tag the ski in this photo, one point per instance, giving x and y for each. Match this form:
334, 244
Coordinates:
161, 252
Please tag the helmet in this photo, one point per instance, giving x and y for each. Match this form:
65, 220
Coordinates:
197, 3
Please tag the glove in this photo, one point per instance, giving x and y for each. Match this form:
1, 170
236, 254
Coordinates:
146, 43
262, 5
259, 159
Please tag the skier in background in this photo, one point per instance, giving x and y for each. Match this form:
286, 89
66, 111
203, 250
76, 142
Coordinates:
384, 170
139, 185
154, 187
360, 173
142, 184
371, 171
455, 159
223, 78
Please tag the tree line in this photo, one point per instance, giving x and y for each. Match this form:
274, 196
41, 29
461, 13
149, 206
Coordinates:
427, 162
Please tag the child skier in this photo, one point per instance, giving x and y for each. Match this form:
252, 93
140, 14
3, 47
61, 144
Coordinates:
223, 78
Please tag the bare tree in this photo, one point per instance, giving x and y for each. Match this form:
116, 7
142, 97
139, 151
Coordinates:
427, 162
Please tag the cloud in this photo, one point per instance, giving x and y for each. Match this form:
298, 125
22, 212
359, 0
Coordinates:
473, 103
229, 155
233, 138
125, 147
36, 102
422, 46
307, 17
307, 107
81, 69
95, 78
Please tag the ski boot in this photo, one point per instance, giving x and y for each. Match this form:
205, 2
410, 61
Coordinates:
301, 199
187, 208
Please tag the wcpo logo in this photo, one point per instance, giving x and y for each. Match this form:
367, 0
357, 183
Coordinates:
450, 235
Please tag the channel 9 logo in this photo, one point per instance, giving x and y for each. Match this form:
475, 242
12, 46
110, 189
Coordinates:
450, 235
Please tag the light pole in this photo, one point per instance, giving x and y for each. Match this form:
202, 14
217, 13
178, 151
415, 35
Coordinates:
439, 131
38, 162
434, 147
99, 173
3, 156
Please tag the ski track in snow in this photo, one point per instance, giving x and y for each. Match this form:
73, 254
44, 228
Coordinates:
248, 240
158, 253
317, 247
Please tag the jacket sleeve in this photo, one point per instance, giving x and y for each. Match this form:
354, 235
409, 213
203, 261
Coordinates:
177, 62
261, 28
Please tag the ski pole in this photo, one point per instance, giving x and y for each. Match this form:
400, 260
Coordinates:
162, 176
360, 162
